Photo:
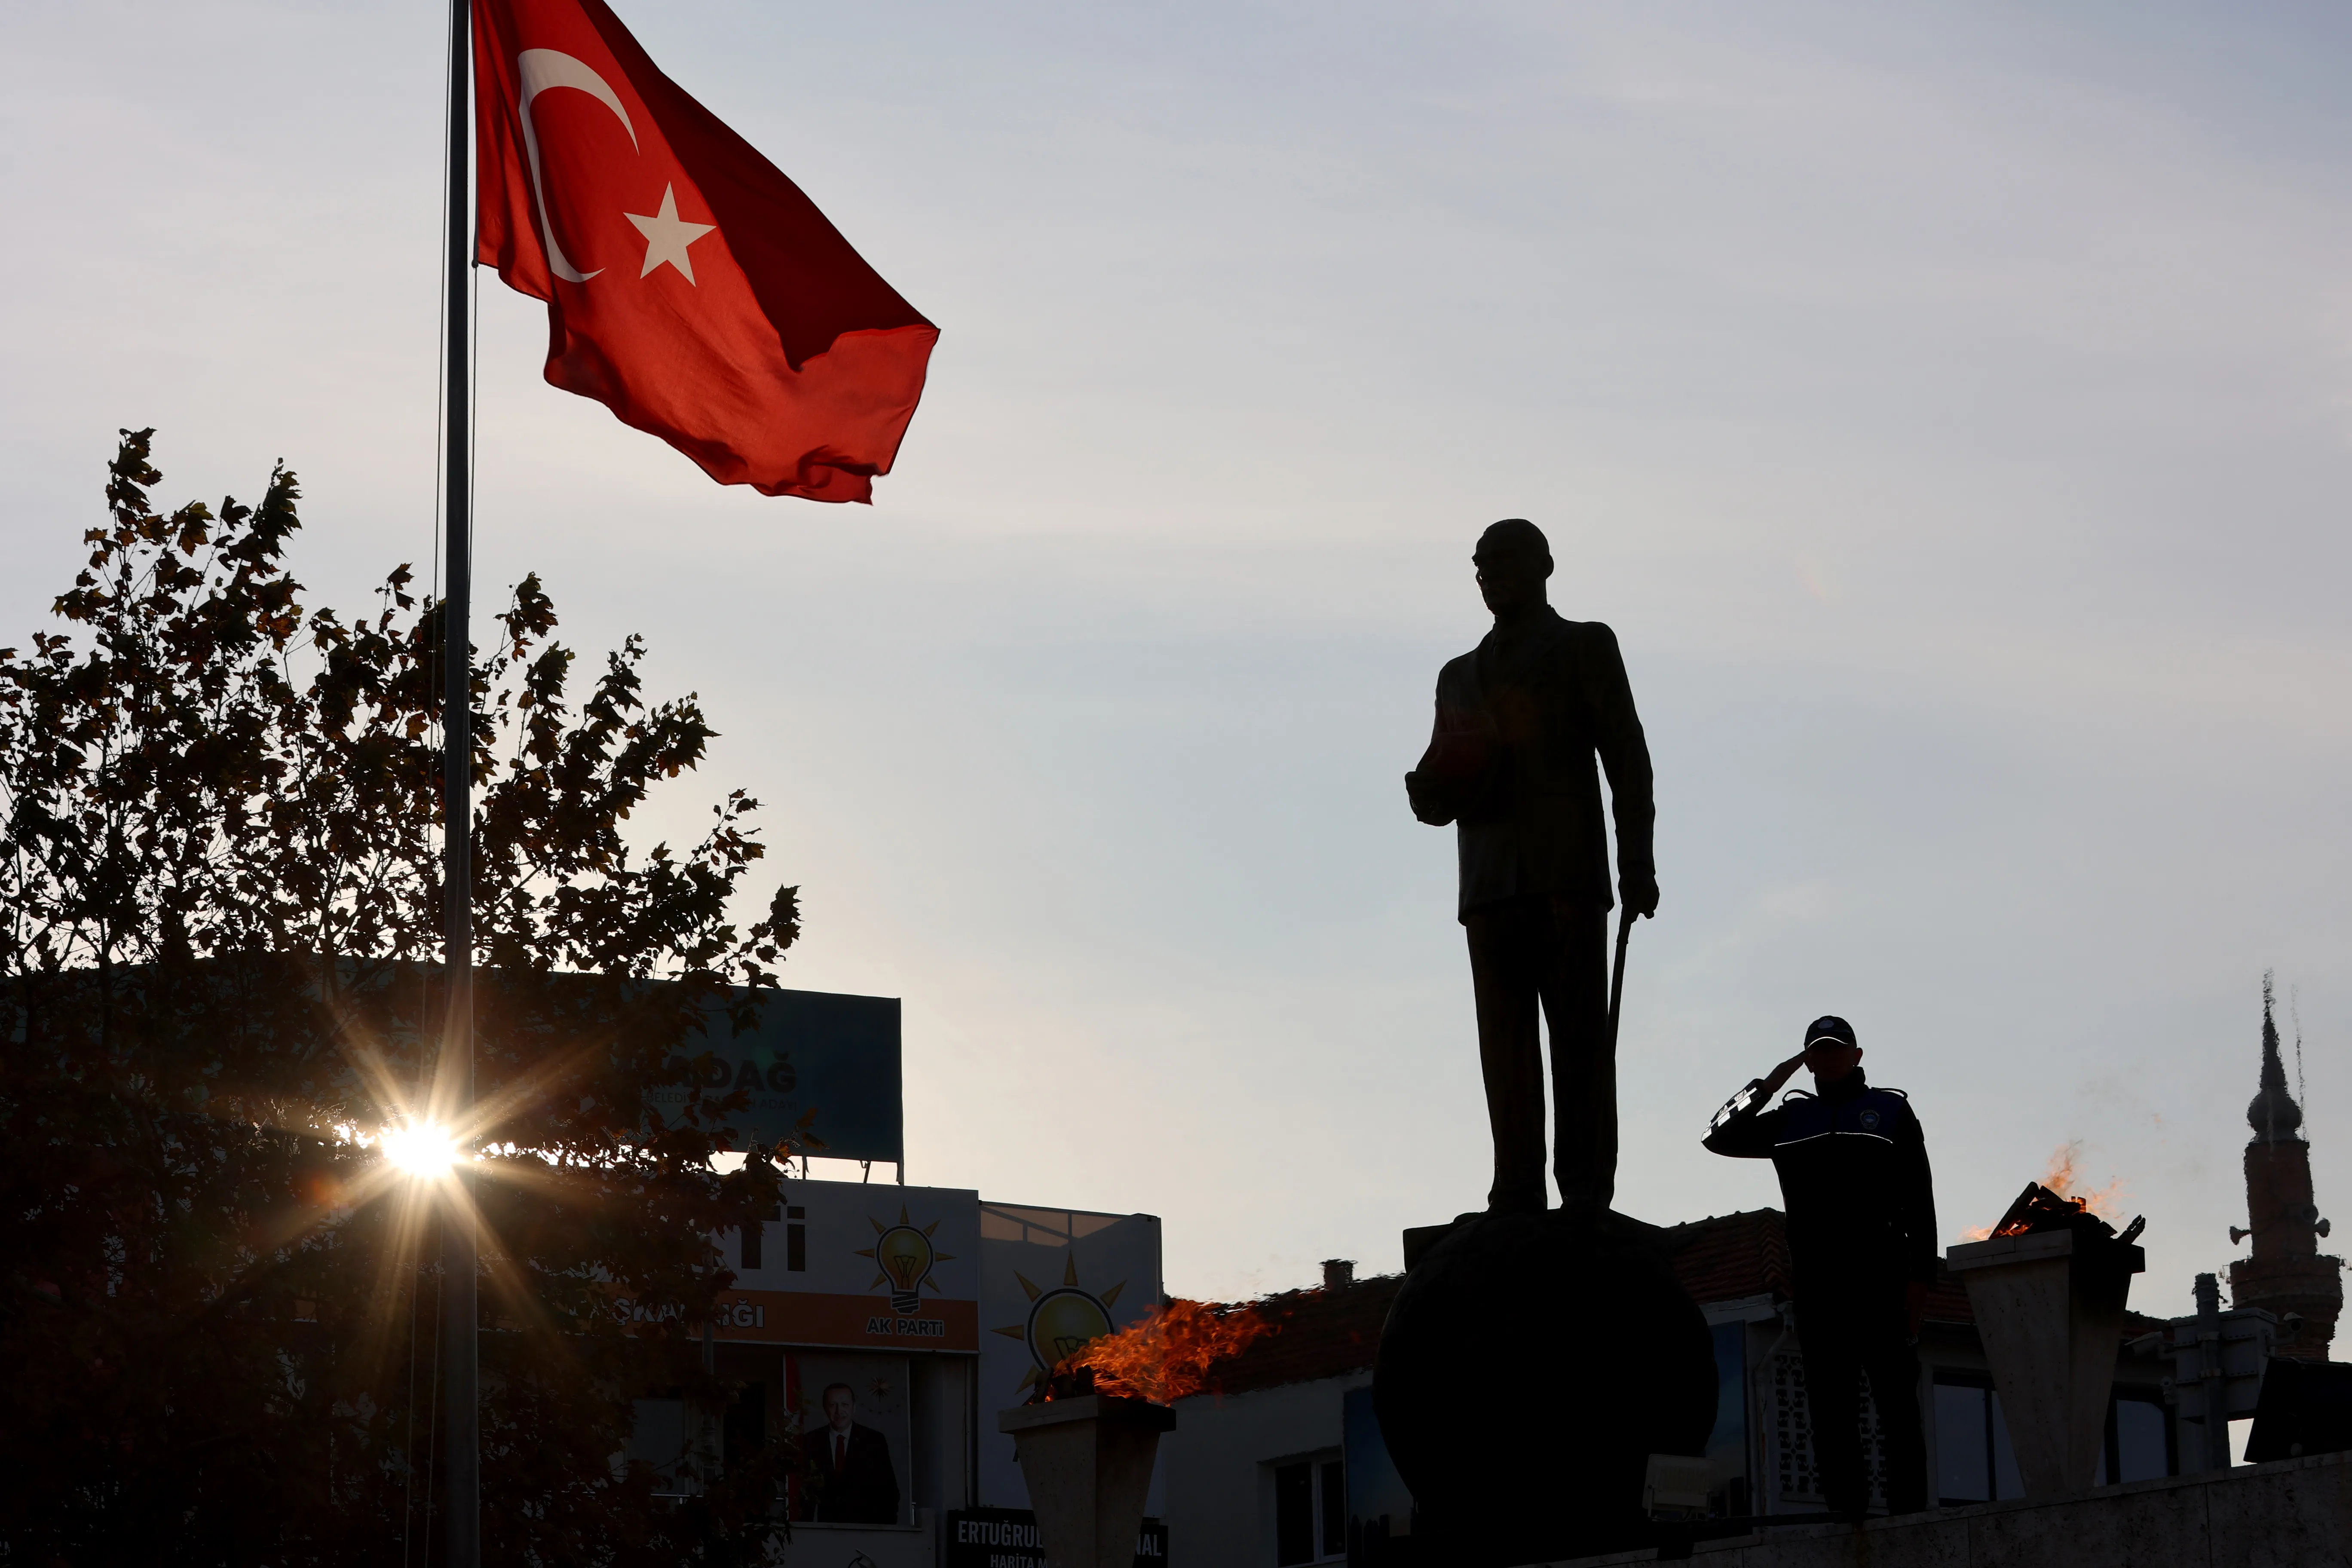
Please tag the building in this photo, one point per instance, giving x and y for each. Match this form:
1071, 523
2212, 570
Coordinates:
884, 1327
1280, 1463
2285, 1275
1257, 1468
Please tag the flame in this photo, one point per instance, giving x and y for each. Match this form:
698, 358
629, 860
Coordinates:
1167, 1355
2059, 1178
2106, 1202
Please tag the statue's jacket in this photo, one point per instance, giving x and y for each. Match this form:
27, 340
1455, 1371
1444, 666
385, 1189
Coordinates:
1519, 721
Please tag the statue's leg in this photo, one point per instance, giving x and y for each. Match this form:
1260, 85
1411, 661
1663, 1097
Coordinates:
1575, 986
1506, 946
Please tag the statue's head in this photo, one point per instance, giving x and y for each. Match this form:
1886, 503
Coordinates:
1513, 560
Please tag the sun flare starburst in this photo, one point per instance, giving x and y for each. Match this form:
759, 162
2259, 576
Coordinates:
422, 1148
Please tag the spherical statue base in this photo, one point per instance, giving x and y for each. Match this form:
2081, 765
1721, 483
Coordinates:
1530, 1367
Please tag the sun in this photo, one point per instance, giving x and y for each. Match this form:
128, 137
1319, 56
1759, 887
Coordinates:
1062, 1321
422, 1149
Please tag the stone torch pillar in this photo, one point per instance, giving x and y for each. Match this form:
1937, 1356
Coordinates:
1089, 1464
2050, 1306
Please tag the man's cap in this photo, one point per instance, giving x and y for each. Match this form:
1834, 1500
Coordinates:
1830, 1026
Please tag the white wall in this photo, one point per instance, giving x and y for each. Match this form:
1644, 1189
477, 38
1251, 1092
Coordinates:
1220, 1490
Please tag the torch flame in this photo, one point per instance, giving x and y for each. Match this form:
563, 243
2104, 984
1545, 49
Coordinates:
2057, 1188
1167, 1355
2106, 1202
2059, 1183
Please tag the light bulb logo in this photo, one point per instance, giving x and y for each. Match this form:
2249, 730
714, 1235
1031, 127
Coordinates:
905, 1255
1064, 1321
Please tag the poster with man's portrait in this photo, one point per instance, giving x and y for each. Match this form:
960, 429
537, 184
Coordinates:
851, 1413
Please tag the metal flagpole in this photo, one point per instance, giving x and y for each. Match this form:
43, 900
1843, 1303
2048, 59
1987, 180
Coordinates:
461, 1473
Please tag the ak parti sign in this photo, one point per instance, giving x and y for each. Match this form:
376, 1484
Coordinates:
856, 1266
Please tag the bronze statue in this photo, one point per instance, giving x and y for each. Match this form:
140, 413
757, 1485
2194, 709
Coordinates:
1510, 763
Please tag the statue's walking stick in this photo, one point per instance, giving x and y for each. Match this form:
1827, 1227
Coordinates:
1617, 976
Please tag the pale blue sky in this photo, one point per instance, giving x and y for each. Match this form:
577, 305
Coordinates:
1948, 406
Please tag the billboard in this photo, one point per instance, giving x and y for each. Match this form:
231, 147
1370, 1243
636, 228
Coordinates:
850, 1411
858, 1266
830, 1057
1050, 1279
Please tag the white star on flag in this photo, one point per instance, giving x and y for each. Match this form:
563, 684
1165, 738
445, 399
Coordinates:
668, 236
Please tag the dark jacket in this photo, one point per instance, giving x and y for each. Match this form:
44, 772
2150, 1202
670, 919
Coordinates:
1853, 1173
864, 1488
1520, 721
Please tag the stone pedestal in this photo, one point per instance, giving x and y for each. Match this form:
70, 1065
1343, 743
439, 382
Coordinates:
1088, 1462
1530, 1366
2288, 1515
2050, 1306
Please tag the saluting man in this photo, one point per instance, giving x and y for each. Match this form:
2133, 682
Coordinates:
1862, 1237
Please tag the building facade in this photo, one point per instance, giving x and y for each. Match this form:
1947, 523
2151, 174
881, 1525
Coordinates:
1281, 1463
883, 1327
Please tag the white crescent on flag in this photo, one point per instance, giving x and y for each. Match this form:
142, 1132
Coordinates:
542, 69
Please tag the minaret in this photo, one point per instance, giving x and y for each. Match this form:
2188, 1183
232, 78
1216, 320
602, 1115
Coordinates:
2287, 1272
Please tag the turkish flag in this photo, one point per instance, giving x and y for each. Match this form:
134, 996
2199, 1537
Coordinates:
690, 287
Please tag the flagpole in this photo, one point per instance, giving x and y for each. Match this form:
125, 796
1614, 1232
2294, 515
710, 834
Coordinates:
461, 1473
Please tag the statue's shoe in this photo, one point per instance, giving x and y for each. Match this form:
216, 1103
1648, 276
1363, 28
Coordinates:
1508, 1203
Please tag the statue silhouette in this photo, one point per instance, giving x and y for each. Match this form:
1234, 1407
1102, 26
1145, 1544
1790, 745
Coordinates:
1510, 764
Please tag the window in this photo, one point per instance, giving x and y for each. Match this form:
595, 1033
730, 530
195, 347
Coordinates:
753, 1234
2138, 1448
1727, 1445
1963, 1447
1293, 1514
1974, 1462
1310, 1511
1380, 1508
659, 1437
1332, 1483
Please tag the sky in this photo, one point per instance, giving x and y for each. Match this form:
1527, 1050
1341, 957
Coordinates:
1950, 408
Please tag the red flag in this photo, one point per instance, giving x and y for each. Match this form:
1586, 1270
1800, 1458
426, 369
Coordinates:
690, 287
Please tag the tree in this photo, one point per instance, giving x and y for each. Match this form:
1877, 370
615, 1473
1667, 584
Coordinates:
219, 861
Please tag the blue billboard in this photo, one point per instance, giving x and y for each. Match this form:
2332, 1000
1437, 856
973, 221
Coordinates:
821, 1068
